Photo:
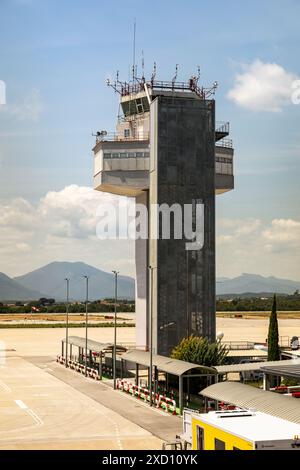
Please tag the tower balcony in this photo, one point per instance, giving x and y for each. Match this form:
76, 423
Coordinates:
224, 166
222, 130
121, 165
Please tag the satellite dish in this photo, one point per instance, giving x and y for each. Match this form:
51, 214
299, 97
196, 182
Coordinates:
220, 336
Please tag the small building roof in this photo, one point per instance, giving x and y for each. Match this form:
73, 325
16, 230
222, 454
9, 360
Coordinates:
246, 396
251, 425
92, 345
247, 353
166, 364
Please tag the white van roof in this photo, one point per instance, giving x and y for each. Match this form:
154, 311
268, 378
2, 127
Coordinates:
251, 425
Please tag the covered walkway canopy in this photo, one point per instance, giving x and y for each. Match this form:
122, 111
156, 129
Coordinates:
166, 364
246, 396
181, 369
283, 369
251, 366
92, 347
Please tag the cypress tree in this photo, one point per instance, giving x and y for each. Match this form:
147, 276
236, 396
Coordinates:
273, 336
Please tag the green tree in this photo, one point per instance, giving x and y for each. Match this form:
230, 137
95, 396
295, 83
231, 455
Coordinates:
273, 335
200, 351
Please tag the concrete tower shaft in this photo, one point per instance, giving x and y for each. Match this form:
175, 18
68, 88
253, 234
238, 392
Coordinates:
168, 149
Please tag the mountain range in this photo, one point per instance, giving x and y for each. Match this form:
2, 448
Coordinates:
49, 281
13, 290
256, 284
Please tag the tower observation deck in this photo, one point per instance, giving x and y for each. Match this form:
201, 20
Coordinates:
167, 148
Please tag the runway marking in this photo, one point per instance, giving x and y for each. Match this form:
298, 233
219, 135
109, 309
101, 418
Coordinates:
35, 417
31, 413
4, 387
21, 404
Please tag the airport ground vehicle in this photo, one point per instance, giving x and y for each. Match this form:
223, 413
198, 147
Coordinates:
239, 429
295, 343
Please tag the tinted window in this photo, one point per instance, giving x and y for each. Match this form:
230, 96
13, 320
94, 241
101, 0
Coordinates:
200, 438
219, 445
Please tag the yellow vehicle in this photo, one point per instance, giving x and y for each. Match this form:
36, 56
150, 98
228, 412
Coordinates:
239, 430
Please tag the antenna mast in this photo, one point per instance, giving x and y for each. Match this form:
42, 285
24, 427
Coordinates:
133, 61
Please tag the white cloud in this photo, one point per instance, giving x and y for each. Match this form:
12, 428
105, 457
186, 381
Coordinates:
72, 212
263, 87
61, 226
24, 247
251, 245
283, 232
17, 213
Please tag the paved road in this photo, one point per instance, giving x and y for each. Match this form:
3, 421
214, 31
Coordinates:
40, 411
157, 422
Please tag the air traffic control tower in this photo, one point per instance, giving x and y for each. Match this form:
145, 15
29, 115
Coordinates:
168, 149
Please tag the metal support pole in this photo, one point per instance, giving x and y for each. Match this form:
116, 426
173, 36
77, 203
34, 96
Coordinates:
86, 323
115, 332
151, 335
205, 405
136, 374
67, 320
71, 351
187, 295
155, 381
180, 394
266, 382
62, 348
100, 365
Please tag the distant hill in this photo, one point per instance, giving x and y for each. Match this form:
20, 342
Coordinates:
12, 290
48, 281
256, 284
51, 280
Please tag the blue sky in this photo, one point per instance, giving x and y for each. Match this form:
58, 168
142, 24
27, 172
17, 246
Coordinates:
55, 57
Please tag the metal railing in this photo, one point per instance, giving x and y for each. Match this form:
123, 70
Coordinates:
223, 127
284, 342
225, 143
238, 345
120, 137
132, 88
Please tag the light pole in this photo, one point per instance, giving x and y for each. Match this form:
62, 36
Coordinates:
67, 320
151, 334
115, 332
86, 321
187, 294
